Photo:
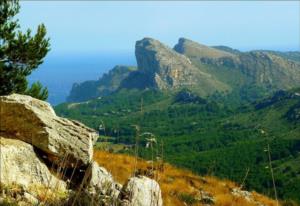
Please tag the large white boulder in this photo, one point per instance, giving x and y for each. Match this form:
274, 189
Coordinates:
35, 122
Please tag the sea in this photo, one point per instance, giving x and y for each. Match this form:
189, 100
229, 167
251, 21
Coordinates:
59, 72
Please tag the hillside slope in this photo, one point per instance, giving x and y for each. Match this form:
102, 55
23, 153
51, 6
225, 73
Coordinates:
208, 136
181, 187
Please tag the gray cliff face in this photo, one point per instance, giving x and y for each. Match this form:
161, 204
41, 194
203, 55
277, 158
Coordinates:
167, 69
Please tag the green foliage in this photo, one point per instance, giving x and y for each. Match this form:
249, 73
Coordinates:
37, 91
20, 53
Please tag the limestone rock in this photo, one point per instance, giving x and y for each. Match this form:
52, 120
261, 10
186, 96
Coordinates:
162, 68
35, 122
20, 165
205, 198
31, 199
141, 191
101, 181
237, 192
99, 187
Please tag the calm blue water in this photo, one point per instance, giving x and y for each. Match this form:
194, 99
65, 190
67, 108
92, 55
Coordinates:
59, 72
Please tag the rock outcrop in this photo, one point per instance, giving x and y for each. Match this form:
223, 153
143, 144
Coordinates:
167, 69
42, 150
35, 122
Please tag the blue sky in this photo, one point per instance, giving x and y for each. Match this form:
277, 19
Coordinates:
93, 26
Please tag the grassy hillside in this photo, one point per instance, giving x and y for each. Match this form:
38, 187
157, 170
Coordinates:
222, 135
179, 186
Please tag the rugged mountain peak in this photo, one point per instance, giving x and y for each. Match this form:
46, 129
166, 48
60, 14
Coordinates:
149, 51
167, 69
194, 49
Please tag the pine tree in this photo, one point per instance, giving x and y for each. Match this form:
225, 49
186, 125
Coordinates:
20, 53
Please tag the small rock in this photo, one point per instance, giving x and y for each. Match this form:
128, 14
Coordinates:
141, 191
242, 193
205, 198
30, 198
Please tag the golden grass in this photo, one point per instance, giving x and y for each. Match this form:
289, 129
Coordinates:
175, 182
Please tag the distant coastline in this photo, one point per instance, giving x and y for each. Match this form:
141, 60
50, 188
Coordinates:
60, 72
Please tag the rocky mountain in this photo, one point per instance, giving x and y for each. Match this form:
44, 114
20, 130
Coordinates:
265, 69
201, 68
164, 69
48, 160
159, 67
107, 84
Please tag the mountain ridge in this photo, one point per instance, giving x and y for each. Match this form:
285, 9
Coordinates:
204, 69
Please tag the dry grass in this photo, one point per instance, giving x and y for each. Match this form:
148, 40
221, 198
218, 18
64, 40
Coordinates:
179, 187
14, 194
